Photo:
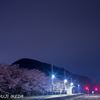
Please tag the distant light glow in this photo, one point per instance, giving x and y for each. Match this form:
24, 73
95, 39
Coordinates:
96, 89
78, 85
71, 84
92, 92
86, 88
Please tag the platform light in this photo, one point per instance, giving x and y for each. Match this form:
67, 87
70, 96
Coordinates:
53, 76
71, 84
78, 85
65, 81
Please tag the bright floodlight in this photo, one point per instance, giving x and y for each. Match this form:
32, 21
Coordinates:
53, 76
78, 85
65, 81
71, 84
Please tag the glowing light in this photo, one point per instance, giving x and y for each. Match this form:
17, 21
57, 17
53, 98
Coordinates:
86, 88
96, 89
71, 84
65, 81
53, 76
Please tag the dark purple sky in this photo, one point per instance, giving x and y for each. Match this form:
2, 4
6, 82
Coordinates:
65, 33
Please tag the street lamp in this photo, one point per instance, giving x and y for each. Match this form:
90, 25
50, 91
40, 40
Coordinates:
78, 88
53, 76
71, 84
65, 81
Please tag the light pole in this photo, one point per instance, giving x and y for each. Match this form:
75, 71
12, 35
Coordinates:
65, 81
71, 84
53, 76
78, 88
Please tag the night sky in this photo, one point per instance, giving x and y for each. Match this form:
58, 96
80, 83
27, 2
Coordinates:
65, 33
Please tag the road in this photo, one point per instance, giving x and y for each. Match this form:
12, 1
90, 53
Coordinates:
63, 97
85, 97
49, 97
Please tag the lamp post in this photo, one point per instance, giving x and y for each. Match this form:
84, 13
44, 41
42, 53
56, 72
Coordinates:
53, 76
65, 81
71, 84
78, 88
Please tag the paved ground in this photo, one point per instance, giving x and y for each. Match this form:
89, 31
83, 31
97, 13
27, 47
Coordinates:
85, 97
48, 97
62, 97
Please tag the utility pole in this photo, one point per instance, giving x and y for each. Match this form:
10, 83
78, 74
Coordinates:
78, 87
64, 81
52, 77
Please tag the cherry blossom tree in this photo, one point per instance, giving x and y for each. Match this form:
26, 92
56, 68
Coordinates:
16, 80
58, 84
34, 80
10, 76
21, 80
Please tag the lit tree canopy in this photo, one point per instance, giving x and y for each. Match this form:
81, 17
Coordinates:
16, 80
